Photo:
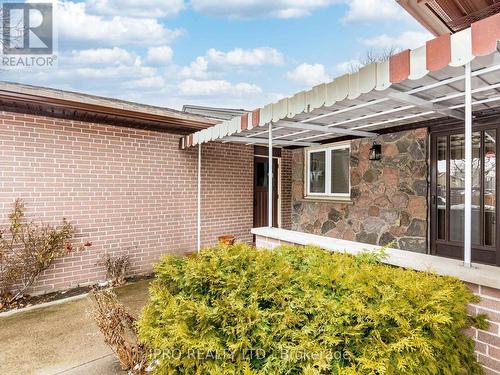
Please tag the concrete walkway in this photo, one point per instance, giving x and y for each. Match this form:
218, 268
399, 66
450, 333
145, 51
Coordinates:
61, 339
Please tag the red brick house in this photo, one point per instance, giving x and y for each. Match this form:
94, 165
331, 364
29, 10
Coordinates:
114, 169
402, 153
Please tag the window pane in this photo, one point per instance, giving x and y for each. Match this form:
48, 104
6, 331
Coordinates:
317, 170
457, 185
476, 188
490, 172
441, 187
262, 174
340, 171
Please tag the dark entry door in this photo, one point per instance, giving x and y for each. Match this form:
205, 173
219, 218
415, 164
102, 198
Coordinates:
260, 211
448, 194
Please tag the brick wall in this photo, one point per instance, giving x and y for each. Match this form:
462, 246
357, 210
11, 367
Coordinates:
487, 342
227, 191
286, 189
124, 190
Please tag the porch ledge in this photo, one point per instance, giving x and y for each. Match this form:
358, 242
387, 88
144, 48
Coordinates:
479, 274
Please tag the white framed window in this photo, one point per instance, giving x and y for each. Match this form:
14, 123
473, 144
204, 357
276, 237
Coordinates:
328, 171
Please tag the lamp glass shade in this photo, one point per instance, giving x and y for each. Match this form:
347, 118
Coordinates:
376, 152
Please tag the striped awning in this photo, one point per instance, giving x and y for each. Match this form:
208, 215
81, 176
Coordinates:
411, 86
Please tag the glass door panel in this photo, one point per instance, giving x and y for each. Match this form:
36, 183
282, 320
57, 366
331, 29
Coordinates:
457, 185
490, 178
442, 183
448, 195
476, 188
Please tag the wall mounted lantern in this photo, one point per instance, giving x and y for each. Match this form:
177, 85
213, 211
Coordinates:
376, 152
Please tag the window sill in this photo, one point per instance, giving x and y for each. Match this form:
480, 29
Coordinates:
346, 200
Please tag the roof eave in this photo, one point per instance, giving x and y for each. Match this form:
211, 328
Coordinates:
175, 120
425, 17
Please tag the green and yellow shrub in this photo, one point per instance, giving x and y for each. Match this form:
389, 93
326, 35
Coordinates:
302, 310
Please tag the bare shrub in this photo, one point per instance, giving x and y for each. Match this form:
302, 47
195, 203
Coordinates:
372, 57
117, 267
119, 330
27, 249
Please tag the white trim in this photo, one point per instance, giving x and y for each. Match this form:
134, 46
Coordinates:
395, 120
468, 168
425, 104
198, 220
488, 100
322, 128
364, 117
461, 48
270, 200
327, 150
278, 201
418, 66
265, 141
479, 274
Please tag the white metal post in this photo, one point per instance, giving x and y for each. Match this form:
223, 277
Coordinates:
270, 178
468, 168
199, 200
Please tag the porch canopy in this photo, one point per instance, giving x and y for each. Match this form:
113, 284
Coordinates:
412, 86
450, 76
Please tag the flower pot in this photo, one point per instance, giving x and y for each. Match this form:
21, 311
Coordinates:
226, 240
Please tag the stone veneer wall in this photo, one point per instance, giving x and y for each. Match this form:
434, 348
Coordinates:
388, 197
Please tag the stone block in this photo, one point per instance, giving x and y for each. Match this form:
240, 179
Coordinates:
418, 245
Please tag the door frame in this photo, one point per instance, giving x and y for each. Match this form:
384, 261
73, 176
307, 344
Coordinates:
448, 248
278, 187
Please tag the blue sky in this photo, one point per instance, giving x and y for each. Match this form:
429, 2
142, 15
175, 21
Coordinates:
229, 53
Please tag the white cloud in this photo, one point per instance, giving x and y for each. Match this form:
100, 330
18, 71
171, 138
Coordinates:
98, 68
309, 75
106, 81
405, 40
357, 10
101, 56
128, 80
159, 55
118, 73
252, 57
260, 8
197, 69
107, 74
191, 87
75, 24
374, 10
135, 8
238, 57
153, 82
